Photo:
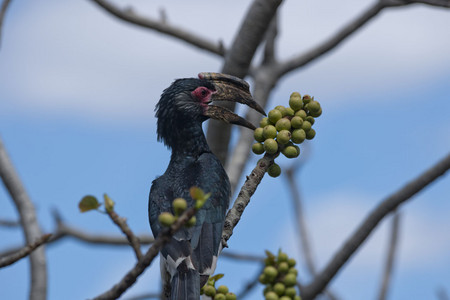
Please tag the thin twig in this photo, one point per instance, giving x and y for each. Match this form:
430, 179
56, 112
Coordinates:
438, 3
3, 9
330, 44
373, 219
144, 296
66, 231
9, 260
389, 266
271, 36
9, 223
162, 26
441, 294
132, 239
241, 256
303, 234
304, 241
163, 238
29, 223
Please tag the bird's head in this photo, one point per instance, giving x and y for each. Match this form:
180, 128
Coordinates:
186, 103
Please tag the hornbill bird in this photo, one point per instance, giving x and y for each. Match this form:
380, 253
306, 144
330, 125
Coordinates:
190, 257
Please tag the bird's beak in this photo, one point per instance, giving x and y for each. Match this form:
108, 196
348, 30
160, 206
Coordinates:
230, 88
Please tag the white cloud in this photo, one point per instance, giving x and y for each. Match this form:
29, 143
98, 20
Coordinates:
73, 59
422, 242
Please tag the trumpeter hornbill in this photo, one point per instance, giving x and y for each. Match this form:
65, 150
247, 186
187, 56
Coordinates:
190, 257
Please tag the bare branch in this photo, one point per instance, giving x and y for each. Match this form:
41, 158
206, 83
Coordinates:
145, 296
389, 266
441, 294
271, 36
132, 239
237, 62
301, 222
439, 3
373, 219
9, 223
9, 260
29, 223
117, 240
243, 199
163, 238
318, 51
394, 3
65, 231
330, 44
3, 9
240, 256
304, 241
162, 26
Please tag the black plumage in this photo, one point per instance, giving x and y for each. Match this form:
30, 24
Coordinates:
190, 257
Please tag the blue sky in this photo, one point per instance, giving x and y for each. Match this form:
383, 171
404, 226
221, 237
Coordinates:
77, 93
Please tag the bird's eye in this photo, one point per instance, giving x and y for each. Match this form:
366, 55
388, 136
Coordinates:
201, 93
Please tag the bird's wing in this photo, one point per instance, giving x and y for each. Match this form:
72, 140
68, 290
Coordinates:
201, 242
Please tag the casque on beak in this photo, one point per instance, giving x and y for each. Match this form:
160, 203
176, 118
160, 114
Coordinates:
230, 88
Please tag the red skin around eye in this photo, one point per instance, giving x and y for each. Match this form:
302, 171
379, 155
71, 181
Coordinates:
203, 95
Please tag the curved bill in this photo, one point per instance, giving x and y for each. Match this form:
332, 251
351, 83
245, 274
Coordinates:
231, 88
226, 115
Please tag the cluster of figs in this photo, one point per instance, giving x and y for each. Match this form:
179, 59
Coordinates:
279, 277
286, 127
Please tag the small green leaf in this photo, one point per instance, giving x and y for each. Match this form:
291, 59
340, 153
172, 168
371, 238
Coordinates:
206, 197
109, 203
269, 254
88, 203
216, 277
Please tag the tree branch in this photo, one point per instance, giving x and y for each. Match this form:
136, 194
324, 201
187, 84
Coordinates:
29, 223
9, 223
363, 231
303, 234
9, 260
301, 222
65, 231
163, 238
244, 257
271, 36
305, 58
162, 26
243, 199
132, 239
394, 3
3, 9
389, 266
237, 62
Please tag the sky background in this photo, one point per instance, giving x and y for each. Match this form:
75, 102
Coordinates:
77, 96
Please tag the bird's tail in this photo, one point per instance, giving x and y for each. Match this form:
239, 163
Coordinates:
185, 285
